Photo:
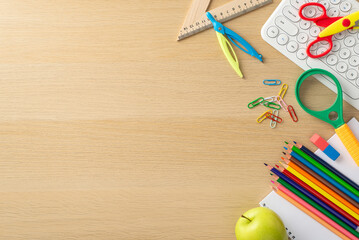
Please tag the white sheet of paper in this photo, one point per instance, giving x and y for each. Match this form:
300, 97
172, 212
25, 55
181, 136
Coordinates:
299, 225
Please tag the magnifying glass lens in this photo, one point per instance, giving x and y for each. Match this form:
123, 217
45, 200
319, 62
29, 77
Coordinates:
315, 95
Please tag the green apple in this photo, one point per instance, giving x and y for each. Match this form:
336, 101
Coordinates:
260, 224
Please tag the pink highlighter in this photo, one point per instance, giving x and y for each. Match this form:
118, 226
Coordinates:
325, 147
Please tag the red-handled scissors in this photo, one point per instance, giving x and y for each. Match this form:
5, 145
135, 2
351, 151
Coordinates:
323, 21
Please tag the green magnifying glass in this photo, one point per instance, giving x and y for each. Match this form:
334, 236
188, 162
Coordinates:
341, 128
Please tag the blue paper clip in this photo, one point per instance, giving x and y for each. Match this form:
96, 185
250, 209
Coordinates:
272, 82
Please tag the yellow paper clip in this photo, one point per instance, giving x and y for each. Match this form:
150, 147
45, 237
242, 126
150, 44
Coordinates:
263, 116
283, 90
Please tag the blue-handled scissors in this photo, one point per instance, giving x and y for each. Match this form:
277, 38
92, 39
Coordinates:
222, 33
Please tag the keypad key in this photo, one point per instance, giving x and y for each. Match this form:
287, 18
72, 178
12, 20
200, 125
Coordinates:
313, 47
291, 13
302, 37
333, 12
321, 50
353, 31
356, 49
354, 61
324, 43
345, 6
306, 25
342, 67
302, 54
314, 31
292, 46
340, 35
325, 4
332, 59
344, 53
309, 12
336, 46
335, 2
349, 41
282, 39
288, 27
297, 3
352, 74
272, 31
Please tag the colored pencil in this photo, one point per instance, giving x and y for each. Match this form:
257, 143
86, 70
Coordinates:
324, 169
323, 175
333, 198
283, 178
318, 207
313, 213
327, 165
305, 171
318, 195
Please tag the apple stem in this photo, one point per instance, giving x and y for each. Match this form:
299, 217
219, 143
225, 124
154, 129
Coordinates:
246, 218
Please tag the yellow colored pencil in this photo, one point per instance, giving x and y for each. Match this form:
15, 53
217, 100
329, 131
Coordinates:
321, 185
321, 191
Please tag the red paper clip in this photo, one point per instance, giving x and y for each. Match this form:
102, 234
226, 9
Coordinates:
274, 117
292, 113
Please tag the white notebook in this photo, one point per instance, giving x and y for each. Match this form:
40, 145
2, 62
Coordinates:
299, 225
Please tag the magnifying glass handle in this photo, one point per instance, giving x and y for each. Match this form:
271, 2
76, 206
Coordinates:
349, 140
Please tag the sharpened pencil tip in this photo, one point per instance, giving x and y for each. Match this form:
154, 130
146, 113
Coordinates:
285, 148
295, 142
284, 153
271, 174
285, 142
272, 181
282, 158
277, 166
265, 164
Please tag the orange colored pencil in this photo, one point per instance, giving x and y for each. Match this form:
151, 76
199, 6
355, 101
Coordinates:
312, 215
321, 185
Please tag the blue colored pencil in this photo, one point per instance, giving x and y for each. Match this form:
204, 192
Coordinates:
325, 164
325, 176
313, 198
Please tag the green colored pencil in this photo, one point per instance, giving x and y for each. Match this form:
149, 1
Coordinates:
318, 207
324, 169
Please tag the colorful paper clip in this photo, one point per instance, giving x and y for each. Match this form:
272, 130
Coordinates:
292, 113
283, 90
272, 82
272, 123
282, 103
255, 102
270, 99
262, 117
271, 105
273, 117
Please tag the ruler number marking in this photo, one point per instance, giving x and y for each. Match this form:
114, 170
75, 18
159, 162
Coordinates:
223, 16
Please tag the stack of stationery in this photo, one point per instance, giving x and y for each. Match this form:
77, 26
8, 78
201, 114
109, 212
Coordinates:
314, 198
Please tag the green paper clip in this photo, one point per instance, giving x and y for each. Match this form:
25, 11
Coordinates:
255, 102
272, 105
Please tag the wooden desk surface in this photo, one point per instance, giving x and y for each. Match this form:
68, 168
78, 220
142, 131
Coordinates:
110, 129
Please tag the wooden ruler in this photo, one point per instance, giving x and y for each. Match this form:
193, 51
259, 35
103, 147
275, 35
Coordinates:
196, 20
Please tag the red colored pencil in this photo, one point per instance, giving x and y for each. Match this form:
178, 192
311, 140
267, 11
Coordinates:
318, 195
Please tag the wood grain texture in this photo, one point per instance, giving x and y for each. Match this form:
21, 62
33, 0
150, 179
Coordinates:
110, 129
